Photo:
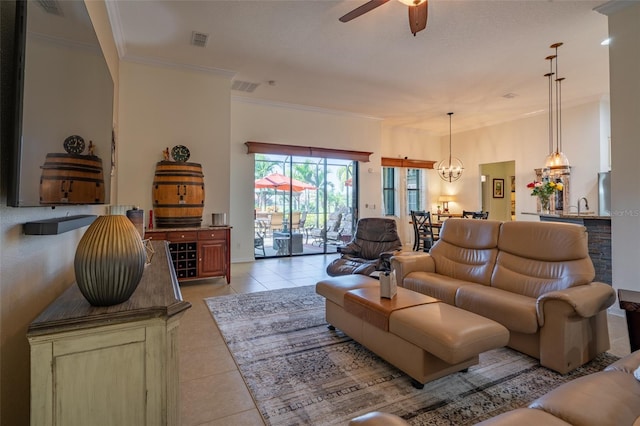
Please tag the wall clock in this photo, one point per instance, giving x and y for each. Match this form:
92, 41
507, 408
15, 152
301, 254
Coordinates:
74, 144
180, 153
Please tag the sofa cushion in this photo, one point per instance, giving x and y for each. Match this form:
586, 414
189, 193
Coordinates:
547, 241
514, 311
524, 417
533, 278
467, 250
334, 289
479, 234
451, 334
538, 257
604, 398
435, 285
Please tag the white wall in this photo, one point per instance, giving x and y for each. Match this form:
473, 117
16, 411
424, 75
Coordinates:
289, 125
526, 142
624, 65
34, 270
162, 107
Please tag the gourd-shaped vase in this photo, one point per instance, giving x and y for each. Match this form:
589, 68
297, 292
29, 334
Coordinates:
109, 261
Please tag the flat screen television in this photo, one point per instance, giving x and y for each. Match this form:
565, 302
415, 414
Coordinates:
62, 139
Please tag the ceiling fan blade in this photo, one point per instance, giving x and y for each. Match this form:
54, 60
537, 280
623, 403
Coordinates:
418, 17
368, 6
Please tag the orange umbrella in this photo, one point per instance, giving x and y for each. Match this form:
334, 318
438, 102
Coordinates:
281, 182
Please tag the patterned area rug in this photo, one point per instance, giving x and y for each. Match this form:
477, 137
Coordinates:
299, 372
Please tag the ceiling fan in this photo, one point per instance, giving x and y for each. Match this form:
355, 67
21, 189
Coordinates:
418, 11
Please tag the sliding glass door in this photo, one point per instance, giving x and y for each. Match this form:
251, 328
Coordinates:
303, 205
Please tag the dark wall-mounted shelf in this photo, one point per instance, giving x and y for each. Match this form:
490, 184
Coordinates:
58, 225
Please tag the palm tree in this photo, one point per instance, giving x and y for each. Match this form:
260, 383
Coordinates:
263, 167
314, 174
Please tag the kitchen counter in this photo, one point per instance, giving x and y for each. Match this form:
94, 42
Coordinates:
567, 217
599, 230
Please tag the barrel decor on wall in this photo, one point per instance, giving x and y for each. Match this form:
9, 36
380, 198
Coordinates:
178, 194
71, 179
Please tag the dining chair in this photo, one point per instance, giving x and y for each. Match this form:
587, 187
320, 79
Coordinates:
475, 215
422, 230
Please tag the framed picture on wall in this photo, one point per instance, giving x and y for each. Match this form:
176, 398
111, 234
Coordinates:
498, 188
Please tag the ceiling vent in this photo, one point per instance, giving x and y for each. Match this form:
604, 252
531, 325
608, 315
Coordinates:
244, 86
51, 6
199, 39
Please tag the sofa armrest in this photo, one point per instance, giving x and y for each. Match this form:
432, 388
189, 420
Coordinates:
586, 300
628, 364
404, 264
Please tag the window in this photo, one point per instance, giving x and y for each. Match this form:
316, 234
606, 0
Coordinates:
414, 186
389, 190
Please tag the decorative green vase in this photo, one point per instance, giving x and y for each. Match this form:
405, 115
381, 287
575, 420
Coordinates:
109, 261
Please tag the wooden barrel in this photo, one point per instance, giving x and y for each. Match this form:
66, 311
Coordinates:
71, 179
178, 194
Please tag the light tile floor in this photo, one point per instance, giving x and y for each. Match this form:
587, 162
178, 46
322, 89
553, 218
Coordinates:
212, 389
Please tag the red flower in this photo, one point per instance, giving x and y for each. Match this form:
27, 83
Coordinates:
531, 185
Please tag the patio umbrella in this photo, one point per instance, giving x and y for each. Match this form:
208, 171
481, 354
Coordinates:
280, 182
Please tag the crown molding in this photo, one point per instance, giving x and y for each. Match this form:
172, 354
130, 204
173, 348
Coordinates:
614, 6
116, 27
175, 65
284, 105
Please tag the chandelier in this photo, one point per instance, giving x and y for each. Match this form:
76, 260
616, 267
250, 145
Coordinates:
450, 170
556, 162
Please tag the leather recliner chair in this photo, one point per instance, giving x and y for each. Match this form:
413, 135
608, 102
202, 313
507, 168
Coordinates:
375, 241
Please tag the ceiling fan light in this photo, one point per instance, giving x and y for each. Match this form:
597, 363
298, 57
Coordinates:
412, 2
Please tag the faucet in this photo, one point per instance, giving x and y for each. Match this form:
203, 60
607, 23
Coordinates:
586, 204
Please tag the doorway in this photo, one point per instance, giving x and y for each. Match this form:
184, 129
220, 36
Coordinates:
497, 189
303, 205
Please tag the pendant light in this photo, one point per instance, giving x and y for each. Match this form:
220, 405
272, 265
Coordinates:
556, 161
450, 170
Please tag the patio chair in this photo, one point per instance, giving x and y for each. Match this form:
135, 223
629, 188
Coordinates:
295, 220
376, 240
331, 232
260, 234
276, 220
301, 219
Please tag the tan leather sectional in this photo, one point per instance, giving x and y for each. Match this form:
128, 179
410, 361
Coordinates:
608, 398
534, 278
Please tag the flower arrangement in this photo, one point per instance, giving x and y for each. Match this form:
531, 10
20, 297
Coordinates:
544, 191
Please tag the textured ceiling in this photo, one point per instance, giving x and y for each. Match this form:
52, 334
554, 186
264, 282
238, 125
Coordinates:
471, 54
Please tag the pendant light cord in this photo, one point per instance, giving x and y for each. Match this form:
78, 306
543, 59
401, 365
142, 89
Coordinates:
450, 114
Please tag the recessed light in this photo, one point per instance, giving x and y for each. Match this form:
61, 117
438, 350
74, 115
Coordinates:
606, 41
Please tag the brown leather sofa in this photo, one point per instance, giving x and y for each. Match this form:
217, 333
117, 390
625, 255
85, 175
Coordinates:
608, 398
375, 241
534, 278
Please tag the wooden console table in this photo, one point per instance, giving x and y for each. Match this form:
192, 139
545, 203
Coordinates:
198, 252
115, 365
